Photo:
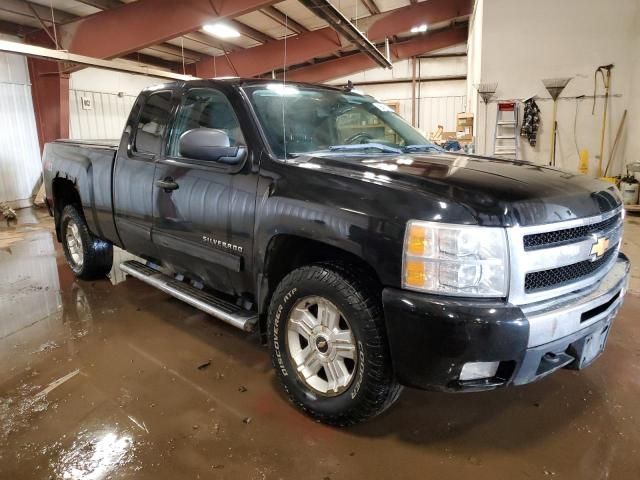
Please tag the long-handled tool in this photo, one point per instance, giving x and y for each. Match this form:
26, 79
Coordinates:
554, 86
615, 142
605, 72
486, 91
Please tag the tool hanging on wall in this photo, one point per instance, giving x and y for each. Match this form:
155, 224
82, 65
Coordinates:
554, 86
615, 142
605, 72
486, 91
530, 121
583, 154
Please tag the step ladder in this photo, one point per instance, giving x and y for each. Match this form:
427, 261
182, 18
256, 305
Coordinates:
506, 141
226, 311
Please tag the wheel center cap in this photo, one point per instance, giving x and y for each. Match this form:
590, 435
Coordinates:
322, 344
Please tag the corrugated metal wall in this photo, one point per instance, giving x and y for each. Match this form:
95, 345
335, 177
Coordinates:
20, 165
436, 111
439, 102
98, 115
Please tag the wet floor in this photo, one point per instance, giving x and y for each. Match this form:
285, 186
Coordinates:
121, 381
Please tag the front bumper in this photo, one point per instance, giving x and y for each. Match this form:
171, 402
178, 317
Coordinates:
432, 337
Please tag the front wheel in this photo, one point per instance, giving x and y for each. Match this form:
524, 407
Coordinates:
328, 344
88, 256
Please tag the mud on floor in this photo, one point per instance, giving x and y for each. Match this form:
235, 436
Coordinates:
100, 381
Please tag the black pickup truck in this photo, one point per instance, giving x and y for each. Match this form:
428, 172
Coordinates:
368, 258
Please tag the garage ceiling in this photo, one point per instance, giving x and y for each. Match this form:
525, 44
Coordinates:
261, 28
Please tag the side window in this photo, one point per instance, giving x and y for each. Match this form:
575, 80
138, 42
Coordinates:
152, 123
205, 108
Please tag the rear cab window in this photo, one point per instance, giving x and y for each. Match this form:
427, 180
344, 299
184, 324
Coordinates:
152, 123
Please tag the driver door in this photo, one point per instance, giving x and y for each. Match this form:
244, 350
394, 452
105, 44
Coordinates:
193, 229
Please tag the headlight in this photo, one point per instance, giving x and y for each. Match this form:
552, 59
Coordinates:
456, 260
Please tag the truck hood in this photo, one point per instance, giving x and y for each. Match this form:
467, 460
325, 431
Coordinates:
493, 191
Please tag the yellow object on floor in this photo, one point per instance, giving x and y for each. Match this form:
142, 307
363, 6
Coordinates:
609, 179
583, 165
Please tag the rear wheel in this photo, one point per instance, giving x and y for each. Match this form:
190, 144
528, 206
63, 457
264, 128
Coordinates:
88, 256
328, 344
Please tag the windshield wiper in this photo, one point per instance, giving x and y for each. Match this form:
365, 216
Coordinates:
423, 148
364, 147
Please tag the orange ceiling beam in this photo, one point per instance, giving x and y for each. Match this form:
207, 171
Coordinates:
325, 41
403, 19
269, 56
328, 70
133, 26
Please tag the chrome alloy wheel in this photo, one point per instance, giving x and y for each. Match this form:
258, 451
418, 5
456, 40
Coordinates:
74, 243
321, 345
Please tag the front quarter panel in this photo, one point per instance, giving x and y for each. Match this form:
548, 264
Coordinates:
349, 209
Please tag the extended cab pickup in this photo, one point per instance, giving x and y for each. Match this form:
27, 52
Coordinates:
368, 258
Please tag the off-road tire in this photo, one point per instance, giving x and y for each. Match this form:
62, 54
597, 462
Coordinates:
374, 388
97, 254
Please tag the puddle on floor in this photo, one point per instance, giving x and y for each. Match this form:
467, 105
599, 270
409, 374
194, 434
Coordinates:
94, 456
29, 284
101, 381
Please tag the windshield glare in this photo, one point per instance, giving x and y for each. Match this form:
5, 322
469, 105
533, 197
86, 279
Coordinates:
298, 120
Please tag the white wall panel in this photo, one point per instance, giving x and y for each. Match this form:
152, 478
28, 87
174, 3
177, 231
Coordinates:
439, 102
105, 118
20, 165
525, 42
111, 95
436, 111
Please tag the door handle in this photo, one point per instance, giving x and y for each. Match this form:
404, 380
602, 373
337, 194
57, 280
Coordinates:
168, 184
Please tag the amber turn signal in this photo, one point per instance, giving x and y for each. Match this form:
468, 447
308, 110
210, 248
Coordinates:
417, 240
415, 273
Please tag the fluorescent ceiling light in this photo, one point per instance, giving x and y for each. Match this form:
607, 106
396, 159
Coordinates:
419, 28
221, 30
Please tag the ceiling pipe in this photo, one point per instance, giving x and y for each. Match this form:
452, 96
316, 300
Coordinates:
341, 24
64, 56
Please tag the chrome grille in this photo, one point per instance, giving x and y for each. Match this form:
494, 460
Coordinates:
554, 259
547, 239
559, 276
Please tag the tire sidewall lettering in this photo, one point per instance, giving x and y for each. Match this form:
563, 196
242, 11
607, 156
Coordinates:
360, 374
276, 330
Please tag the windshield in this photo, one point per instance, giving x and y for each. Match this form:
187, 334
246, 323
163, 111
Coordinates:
299, 120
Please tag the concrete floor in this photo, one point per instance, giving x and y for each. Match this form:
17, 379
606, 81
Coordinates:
102, 381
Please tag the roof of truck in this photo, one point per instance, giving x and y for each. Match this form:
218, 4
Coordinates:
241, 81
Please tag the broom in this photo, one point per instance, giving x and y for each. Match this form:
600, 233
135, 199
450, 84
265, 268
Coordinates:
486, 91
554, 86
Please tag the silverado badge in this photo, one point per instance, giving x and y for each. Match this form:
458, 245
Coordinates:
220, 244
599, 247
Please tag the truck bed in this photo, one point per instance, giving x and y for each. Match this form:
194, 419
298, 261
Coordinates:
113, 144
88, 164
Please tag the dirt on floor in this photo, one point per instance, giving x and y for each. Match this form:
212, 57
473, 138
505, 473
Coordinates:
102, 381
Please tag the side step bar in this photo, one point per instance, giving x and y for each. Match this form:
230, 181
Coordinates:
226, 311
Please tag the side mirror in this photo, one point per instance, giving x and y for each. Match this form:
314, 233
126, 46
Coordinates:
211, 145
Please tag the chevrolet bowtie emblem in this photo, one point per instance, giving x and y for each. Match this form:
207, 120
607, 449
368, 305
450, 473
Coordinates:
600, 245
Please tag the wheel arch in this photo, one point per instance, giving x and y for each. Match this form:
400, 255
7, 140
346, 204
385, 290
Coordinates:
286, 251
65, 192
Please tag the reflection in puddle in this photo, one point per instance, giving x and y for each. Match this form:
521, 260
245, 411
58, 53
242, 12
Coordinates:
94, 457
29, 284
116, 275
18, 409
